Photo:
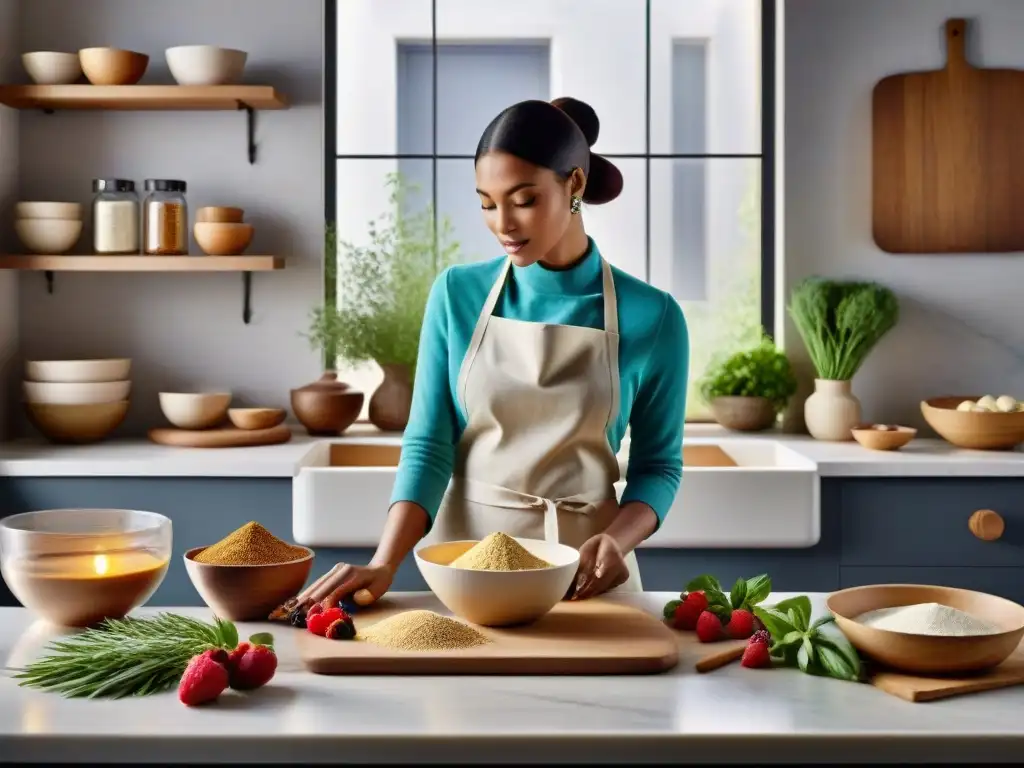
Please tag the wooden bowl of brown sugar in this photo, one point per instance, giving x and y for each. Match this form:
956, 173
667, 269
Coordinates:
248, 573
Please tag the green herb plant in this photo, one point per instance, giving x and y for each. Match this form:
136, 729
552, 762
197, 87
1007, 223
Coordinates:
383, 286
840, 322
745, 594
811, 646
761, 371
128, 657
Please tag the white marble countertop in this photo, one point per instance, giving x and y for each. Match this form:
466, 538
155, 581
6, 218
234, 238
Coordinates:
730, 715
33, 457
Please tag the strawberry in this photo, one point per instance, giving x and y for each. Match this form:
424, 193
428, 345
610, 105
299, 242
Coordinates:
319, 622
741, 624
685, 615
251, 666
204, 680
697, 599
709, 627
756, 656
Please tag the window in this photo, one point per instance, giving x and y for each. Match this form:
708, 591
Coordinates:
685, 94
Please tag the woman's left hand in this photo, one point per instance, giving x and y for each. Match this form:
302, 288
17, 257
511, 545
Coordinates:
602, 567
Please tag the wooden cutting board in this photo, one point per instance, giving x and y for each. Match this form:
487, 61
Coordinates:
913, 688
948, 160
589, 637
227, 437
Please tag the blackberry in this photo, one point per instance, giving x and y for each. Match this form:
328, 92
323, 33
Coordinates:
297, 618
341, 629
348, 606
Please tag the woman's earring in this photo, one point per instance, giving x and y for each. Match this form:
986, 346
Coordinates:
575, 203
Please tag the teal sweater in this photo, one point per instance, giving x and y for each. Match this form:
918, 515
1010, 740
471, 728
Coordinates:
653, 367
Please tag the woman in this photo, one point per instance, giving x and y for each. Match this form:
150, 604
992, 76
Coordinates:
530, 368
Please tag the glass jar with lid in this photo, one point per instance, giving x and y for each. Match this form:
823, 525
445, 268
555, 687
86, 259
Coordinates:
165, 218
115, 217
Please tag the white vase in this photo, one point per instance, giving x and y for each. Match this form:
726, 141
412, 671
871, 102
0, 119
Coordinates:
832, 411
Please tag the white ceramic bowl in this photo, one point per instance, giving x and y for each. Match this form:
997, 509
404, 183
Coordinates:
50, 236
52, 67
205, 64
498, 598
48, 210
195, 410
76, 393
78, 371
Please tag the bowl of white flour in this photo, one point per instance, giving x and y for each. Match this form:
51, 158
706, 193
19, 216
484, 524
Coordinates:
928, 629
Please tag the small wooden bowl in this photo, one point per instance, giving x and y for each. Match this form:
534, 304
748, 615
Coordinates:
980, 430
247, 592
883, 440
926, 654
326, 413
220, 239
220, 214
256, 418
113, 66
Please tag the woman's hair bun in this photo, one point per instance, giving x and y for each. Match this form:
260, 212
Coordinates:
582, 114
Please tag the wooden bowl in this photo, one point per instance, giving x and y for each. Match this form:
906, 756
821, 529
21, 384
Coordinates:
256, 418
925, 654
980, 430
113, 66
326, 413
883, 440
222, 239
77, 423
247, 592
223, 214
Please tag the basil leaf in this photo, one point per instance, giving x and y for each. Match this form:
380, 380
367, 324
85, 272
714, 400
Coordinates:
837, 642
758, 589
822, 621
775, 622
670, 608
227, 631
836, 664
705, 583
738, 594
803, 659
802, 606
795, 619
262, 638
721, 610
792, 637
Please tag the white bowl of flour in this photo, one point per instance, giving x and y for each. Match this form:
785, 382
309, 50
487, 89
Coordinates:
928, 629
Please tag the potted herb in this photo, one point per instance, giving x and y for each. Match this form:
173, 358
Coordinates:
840, 322
748, 389
382, 296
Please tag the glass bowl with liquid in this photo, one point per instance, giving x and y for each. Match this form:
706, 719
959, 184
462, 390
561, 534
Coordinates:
76, 567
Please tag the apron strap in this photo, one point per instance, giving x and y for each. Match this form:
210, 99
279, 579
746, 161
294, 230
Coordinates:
611, 328
479, 330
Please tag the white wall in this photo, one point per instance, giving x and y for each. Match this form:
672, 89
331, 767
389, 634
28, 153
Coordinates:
9, 64
961, 330
185, 332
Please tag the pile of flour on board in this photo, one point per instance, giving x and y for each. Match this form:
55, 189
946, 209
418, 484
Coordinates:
927, 619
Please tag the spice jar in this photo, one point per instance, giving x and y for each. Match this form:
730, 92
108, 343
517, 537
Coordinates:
165, 218
115, 216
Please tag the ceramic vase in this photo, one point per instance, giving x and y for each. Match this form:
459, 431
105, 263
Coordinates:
832, 411
392, 400
327, 407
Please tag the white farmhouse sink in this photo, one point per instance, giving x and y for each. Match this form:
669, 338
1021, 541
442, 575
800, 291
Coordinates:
736, 492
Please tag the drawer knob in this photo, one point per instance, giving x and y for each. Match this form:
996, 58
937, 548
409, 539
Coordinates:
986, 524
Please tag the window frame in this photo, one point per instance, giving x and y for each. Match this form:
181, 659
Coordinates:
767, 155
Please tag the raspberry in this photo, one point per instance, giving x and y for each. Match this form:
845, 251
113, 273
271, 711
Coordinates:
204, 679
697, 599
685, 616
761, 636
319, 622
756, 656
741, 624
709, 627
314, 609
251, 666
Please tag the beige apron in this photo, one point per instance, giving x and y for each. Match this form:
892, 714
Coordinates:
534, 460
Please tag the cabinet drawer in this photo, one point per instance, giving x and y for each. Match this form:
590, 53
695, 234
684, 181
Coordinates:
924, 521
1004, 582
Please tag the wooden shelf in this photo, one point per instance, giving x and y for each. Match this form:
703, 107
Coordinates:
142, 97
91, 263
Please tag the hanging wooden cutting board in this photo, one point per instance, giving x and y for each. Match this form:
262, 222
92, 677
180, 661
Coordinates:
588, 637
948, 160
226, 437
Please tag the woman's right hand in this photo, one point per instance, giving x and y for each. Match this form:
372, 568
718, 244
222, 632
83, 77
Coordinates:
365, 583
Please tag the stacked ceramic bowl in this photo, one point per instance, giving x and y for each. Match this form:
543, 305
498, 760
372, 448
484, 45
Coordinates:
47, 227
77, 401
220, 231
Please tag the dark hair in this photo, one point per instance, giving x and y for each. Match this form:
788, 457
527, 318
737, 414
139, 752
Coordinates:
556, 135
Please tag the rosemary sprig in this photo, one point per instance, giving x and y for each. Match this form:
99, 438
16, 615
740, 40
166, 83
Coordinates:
126, 657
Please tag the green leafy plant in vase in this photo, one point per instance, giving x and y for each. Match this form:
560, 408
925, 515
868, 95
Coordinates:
748, 389
840, 322
383, 287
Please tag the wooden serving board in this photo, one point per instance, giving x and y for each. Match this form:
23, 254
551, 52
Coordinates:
948, 173
226, 437
589, 637
914, 688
